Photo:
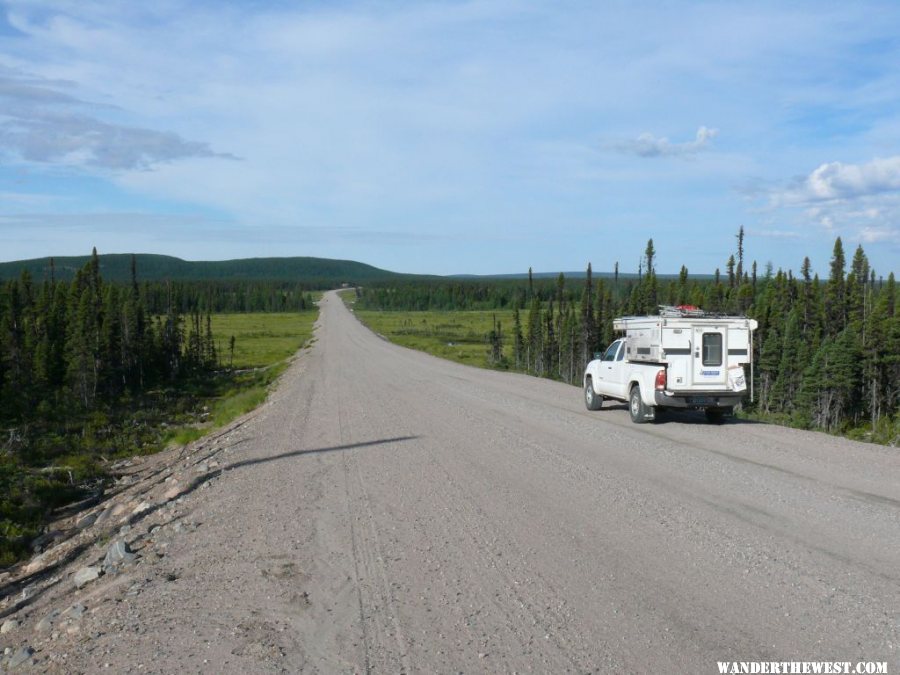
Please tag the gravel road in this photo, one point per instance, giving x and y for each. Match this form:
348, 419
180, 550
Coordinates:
391, 512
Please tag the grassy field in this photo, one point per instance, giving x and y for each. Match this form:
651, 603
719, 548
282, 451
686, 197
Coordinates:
458, 336
261, 340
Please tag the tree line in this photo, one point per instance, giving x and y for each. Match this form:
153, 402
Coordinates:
222, 296
826, 354
72, 347
83, 344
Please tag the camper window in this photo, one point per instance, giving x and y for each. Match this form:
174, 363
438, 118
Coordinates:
712, 349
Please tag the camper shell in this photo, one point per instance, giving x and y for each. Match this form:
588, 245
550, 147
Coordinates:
700, 348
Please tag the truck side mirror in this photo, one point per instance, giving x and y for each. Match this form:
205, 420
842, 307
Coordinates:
598, 355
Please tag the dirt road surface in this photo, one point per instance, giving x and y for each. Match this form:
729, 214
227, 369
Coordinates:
387, 511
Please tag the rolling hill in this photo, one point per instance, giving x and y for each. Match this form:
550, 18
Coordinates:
150, 267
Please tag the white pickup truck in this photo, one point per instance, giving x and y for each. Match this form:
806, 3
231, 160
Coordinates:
684, 358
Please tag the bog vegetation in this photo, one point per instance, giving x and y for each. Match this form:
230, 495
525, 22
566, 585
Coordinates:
458, 336
91, 370
827, 352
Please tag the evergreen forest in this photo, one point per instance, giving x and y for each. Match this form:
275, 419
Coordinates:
91, 370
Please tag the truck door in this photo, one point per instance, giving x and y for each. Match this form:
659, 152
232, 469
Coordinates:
710, 363
607, 369
616, 383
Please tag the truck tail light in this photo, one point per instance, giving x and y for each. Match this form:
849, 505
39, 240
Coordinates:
661, 379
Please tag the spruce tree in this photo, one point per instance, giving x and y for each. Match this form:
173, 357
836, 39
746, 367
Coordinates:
857, 287
588, 328
533, 337
518, 340
835, 292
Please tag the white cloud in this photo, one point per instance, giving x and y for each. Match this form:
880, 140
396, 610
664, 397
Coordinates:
41, 123
78, 140
773, 233
838, 181
647, 145
859, 202
874, 235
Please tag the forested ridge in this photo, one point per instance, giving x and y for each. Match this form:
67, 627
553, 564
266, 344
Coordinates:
315, 273
826, 354
91, 369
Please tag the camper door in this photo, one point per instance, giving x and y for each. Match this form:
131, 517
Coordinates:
710, 349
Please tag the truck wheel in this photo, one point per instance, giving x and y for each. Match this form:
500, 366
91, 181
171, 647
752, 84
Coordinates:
592, 400
636, 406
714, 415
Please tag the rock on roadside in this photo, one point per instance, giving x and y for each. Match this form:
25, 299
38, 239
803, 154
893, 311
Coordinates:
20, 658
86, 575
46, 624
118, 554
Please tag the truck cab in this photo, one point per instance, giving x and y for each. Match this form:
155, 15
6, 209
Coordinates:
614, 376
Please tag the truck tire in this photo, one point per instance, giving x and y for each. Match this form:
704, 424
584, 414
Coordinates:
636, 406
592, 400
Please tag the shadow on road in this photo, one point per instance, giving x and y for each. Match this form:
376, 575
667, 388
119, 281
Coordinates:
315, 451
690, 417
693, 417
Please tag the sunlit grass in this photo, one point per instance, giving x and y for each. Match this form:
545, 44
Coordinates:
261, 339
460, 336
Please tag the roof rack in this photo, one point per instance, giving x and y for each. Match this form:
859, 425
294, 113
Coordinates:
678, 311
683, 310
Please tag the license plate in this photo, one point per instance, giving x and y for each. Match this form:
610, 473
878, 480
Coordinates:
701, 400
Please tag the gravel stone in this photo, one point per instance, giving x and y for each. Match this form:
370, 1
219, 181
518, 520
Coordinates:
47, 622
118, 554
104, 516
76, 611
86, 575
21, 657
86, 522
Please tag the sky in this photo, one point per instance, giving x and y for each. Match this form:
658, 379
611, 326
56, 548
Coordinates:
469, 137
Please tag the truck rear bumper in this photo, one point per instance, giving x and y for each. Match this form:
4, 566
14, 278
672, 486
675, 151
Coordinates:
698, 399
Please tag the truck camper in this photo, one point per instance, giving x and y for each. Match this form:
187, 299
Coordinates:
684, 358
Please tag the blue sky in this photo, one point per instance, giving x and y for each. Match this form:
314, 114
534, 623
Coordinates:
452, 137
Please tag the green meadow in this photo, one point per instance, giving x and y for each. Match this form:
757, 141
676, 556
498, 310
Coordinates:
261, 339
460, 336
